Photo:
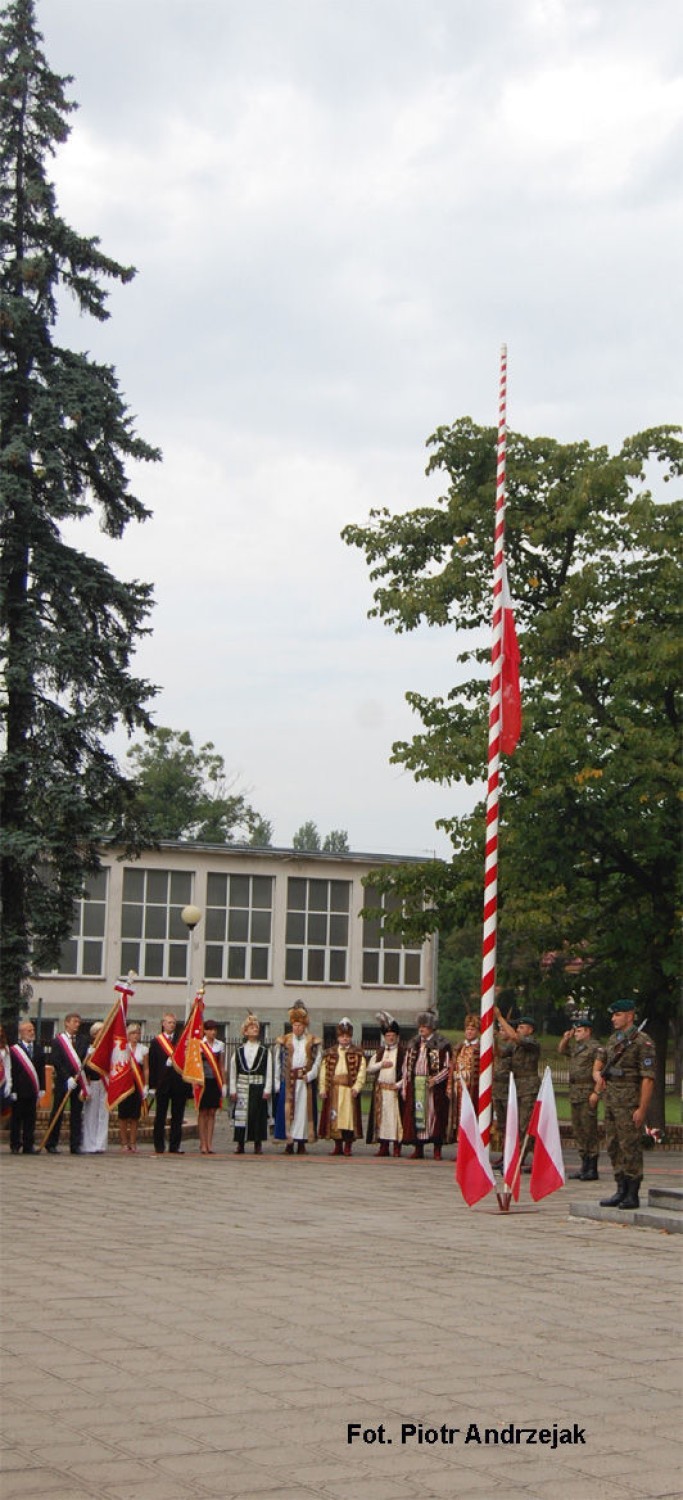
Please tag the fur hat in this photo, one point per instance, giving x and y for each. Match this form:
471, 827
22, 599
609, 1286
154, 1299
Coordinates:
387, 1023
345, 1027
427, 1018
298, 1013
249, 1020
472, 1020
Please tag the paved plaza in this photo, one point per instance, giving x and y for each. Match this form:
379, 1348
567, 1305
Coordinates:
182, 1327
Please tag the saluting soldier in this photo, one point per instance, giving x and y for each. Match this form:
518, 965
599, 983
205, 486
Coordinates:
583, 1052
627, 1085
526, 1052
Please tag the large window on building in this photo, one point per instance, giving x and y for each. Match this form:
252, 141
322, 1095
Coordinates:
154, 938
239, 921
317, 935
387, 960
83, 951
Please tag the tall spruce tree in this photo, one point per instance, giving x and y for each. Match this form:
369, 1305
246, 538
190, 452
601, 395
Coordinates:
68, 627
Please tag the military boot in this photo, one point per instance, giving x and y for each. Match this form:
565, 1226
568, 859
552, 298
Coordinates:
590, 1174
618, 1197
630, 1198
580, 1176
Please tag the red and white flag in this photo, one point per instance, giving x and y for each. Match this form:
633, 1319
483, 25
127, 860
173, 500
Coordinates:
547, 1168
473, 1172
101, 1055
511, 1163
511, 698
121, 1082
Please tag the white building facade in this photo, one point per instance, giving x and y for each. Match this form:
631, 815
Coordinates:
275, 926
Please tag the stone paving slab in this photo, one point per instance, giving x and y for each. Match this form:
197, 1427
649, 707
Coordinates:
199, 1328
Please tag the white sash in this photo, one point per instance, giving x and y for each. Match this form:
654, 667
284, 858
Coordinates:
20, 1055
76, 1064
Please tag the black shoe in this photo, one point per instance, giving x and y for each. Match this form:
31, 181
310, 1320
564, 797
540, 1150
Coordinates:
53, 1150
617, 1197
30, 1151
591, 1172
14, 1150
630, 1198
580, 1176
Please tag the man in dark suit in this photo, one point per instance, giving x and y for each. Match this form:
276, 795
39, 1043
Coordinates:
68, 1053
28, 1082
169, 1088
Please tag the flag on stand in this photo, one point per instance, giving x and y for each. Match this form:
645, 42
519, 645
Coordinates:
101, 1055
187, 1055
511, 1163
511, 698
472, 1167
547, 1168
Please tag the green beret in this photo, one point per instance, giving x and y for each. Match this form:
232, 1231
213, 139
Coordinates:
526, 1021
618, 1007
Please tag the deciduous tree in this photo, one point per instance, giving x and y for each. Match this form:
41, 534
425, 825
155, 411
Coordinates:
185, 793
590, 811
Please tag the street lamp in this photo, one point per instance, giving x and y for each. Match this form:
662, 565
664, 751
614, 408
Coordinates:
190, 915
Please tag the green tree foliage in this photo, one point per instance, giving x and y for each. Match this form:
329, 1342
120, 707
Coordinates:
307, 838
261, 835
590, 809
184, 793
68, 628
336, 842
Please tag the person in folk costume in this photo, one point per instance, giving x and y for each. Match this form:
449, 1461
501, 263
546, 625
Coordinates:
424, 1084
464, 1069
251, 1086
386, 1070
342, 1076
95, 1134
209, 1097
130, 1109
28, 1083
297, 1065
67, 1056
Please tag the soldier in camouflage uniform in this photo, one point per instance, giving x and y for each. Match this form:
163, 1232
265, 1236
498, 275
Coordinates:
628, 1088
502, 1068
526, 1053
583, 1052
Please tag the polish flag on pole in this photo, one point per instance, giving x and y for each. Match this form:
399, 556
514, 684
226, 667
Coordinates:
472, 1168
511, 698
511, 1162
547, 1169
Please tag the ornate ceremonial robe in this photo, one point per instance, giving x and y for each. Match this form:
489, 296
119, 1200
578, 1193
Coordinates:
297, 1064
342, 1078
425, 1109
386, 1069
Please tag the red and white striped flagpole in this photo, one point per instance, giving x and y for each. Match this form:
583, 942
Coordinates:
488, 972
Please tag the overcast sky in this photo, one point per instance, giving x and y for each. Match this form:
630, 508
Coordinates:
339, 210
